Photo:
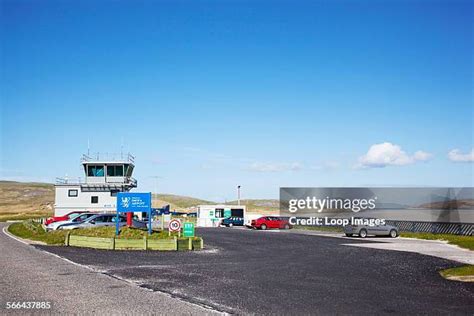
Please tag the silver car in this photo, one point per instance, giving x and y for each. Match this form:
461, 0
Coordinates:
376, 230
100, 220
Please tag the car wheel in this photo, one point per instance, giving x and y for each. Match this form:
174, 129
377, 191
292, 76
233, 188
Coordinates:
362, 233
393, 233
348, 235
263, 227
287, 226
230, 225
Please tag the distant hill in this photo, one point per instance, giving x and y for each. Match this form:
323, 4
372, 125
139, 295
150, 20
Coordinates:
450, 205
20, 198
178, 202
264, 206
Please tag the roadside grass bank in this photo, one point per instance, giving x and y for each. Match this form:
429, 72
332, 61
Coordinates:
463, 273
466, 242
34, 231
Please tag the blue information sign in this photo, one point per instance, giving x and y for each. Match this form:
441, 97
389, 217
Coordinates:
133, 202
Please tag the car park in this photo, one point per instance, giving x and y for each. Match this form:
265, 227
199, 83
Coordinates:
269, 222
73, 219
61, 218
232, 221
102, 220
374, 230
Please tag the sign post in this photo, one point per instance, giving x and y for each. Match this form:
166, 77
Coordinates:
174, 226
133, 202
188, 230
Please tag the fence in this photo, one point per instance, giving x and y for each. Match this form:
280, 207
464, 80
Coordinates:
174, 244
434, 227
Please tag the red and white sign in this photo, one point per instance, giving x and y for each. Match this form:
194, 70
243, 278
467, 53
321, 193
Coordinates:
174, 225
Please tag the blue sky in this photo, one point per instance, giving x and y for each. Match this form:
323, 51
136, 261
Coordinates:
212, 94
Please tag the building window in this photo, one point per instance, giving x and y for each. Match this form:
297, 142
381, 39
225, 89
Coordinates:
115, 171
114, 192
94, 199
95, 171
72, 193
219, 212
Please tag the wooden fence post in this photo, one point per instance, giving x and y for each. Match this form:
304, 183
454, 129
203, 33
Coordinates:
67, 239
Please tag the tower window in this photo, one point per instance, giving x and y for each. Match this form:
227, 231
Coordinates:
95, 171
115, 171
72, 193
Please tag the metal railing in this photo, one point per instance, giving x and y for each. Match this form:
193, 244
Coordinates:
120, 157
67, 180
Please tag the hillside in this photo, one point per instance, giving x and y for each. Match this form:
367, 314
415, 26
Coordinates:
17, 198
177, 202
266, 207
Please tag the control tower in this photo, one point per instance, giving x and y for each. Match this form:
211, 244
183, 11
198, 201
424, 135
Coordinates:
104, 176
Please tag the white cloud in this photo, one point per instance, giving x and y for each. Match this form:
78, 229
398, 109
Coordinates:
422, 156
388, 154
274, 167
456, 156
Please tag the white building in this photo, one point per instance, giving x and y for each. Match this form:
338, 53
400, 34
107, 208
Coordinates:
211, 215
105, 176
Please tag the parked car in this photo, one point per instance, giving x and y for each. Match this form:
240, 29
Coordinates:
268, 222
61, 218
73, 219
101, 220
233, 221
376, 230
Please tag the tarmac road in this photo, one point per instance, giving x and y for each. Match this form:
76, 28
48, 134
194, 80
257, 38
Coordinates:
30, 274
265, 272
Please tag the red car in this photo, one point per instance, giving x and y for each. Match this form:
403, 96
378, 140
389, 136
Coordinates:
61, 218
267, 222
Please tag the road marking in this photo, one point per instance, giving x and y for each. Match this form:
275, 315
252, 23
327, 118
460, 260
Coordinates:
13, 237
125, 280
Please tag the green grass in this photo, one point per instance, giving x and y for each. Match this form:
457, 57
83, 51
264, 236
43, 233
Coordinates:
462, 241
321, 228
466, 270
33, 231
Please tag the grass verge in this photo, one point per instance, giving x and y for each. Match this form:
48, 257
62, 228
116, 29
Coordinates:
34, 231
462, 273
466, 242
